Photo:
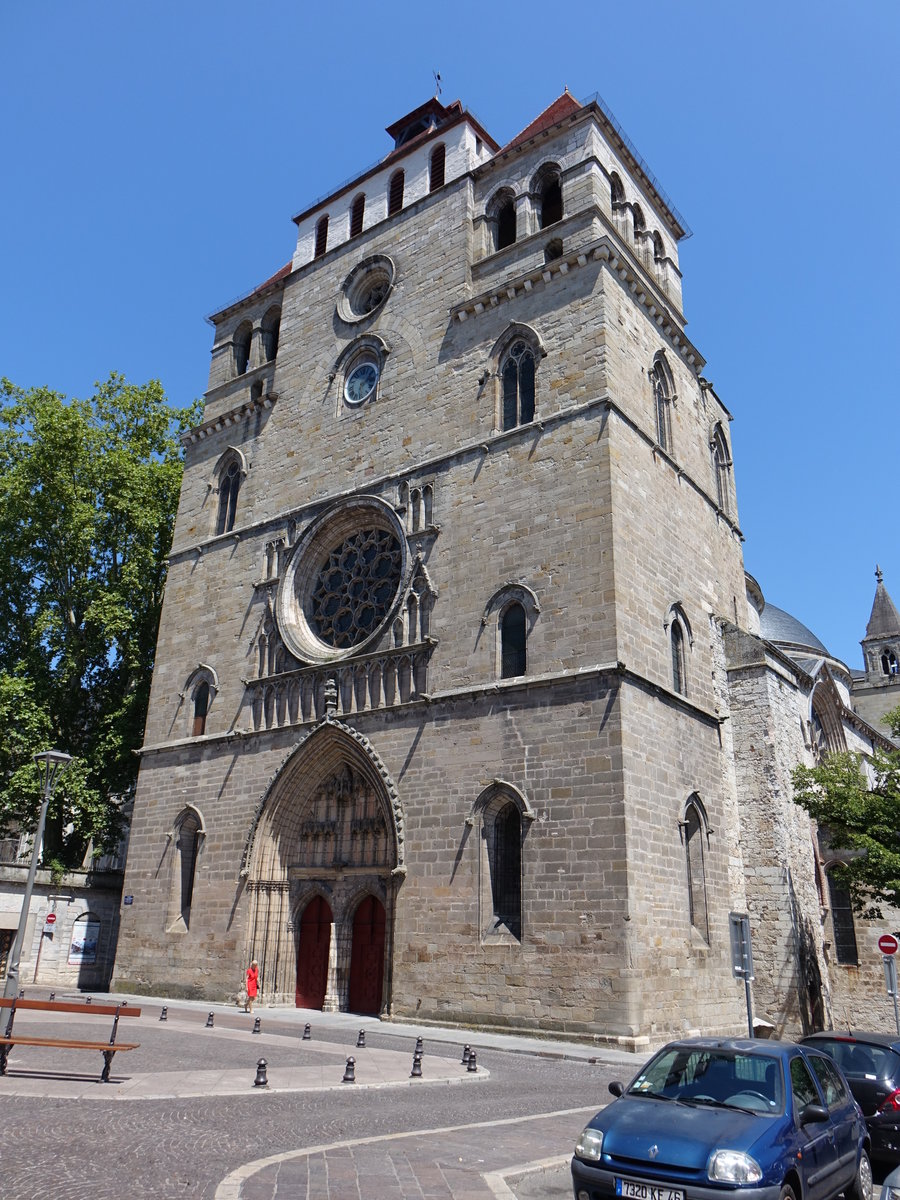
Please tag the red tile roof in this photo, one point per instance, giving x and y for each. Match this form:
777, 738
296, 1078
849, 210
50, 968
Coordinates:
564, 106
280, 274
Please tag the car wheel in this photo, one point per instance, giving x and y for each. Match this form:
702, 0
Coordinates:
861, 1187
787, 1193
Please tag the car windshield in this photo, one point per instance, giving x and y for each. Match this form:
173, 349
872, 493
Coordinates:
716, 1077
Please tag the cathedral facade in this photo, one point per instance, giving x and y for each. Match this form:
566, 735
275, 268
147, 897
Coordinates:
464, 707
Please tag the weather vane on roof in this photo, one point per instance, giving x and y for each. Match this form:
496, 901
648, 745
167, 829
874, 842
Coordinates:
437, 83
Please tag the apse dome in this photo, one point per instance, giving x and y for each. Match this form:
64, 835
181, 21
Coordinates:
780, 627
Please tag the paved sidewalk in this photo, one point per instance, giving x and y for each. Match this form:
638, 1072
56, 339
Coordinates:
523, 1157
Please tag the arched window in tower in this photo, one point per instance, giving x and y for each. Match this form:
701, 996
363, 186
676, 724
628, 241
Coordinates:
395, 192
663, 395
241, 347
229, 486
639, 223
269, 328
357, 212
550, 201
659, 249
502, 219
506, 869
694, 829
679, 667
513, 628
436, 168
517, 378
616, 191
845, 948
721, 470
201, 708
889, 665
321, 236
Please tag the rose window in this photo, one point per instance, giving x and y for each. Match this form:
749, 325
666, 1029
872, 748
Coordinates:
355, 588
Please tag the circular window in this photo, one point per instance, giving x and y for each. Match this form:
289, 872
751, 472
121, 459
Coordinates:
342, 582
361, 382
366, 288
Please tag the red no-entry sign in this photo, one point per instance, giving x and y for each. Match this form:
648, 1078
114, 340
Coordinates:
50, 919
888, 944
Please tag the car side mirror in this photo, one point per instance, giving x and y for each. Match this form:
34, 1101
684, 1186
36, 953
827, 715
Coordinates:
617, 1088
812, 1113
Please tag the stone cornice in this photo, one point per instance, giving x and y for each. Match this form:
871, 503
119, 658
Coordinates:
620, 262
234, 415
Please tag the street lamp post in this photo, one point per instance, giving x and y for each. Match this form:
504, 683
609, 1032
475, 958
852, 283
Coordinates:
51, 763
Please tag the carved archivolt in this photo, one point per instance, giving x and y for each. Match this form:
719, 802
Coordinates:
331, 803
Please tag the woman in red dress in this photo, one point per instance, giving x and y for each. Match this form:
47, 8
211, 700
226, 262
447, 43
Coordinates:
252, 985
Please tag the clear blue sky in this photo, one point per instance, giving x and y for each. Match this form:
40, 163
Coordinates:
155, 153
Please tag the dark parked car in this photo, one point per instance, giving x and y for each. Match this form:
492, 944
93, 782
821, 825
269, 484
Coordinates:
871, 1065
708, 1118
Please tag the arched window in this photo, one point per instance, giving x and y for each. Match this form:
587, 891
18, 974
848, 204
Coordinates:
659, 249
241, 345
436, 172
357, 212
269, 327
889, 664
189, 835
229, 486
679, 667
694, 829
845, 948
201, 708
506, 869
616, 191
550, 201
517, 377
321, 236
512, 641
395, 193
502, 219
721, 470
663, 394
639, 223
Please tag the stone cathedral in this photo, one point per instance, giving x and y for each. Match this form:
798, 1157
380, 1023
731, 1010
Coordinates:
465, 708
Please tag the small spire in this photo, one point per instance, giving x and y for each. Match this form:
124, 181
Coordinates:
878, 574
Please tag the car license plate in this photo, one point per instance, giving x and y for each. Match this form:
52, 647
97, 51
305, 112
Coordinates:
635, 1189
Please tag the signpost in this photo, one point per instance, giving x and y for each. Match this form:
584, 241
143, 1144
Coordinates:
742, 958
888, 945
50, 919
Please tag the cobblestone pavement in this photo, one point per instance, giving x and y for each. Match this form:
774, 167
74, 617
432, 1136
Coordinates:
211, 1135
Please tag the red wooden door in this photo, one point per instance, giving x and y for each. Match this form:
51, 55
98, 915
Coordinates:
312, 954
367, 958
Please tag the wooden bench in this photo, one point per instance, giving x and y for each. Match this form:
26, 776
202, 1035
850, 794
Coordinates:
107, 1049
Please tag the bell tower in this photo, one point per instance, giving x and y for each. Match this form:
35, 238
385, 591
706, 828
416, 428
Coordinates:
879, 690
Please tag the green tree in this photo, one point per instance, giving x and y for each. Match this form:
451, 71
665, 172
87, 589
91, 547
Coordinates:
857, 801
88, 494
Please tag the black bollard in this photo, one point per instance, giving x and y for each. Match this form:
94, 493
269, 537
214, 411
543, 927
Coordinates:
350, 1071
52, 997
209, 1021
89, 1000
361, 1039
416, 1072
261, 1079
256, 1028
467, 1050
420, 1046
164, 1015
307, 1036
21, 993
473, 1065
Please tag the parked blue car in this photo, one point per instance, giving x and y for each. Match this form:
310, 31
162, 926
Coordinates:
707, 1117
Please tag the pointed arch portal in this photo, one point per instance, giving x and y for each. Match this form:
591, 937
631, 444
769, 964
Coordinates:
324, 862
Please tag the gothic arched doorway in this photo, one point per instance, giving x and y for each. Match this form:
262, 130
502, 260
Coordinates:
324, 861
313, 945
367, 958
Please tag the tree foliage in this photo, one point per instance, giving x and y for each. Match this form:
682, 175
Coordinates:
857, 801
88, 494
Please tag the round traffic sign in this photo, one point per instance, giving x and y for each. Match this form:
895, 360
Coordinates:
50, 919
888, 944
